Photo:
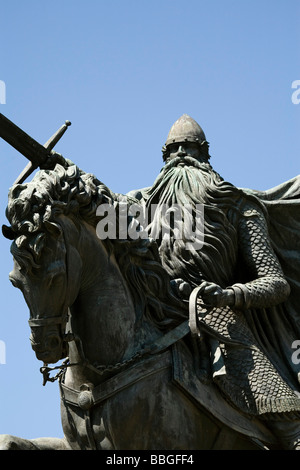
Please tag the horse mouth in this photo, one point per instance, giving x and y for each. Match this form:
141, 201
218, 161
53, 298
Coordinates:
49, 357
51, 351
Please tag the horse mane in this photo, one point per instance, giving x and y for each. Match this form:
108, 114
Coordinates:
76, 194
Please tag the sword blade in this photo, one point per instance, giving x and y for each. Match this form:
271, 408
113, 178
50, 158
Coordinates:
22, 142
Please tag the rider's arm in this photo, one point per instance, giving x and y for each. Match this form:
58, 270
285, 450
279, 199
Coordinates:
267, 285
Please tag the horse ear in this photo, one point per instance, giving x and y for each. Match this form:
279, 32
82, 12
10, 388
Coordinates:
53, 228
8, 232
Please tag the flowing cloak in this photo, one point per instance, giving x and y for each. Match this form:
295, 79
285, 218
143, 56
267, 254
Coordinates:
277, 329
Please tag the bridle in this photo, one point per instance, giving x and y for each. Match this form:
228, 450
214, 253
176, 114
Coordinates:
56, 320
68, 337
37, 322
101, 370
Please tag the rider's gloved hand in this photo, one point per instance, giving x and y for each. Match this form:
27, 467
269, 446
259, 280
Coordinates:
214, 296
181, 288
54, 159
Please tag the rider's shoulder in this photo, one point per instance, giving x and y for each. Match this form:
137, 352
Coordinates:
251, 206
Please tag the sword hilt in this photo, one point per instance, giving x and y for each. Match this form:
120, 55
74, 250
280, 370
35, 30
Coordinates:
49, 145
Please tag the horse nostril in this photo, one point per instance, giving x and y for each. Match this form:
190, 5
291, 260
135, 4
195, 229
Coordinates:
53, 342
34, 344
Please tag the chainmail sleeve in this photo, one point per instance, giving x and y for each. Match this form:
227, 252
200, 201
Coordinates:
268, 286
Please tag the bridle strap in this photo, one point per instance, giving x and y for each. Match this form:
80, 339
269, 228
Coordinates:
57, 320
47, 321
160, 345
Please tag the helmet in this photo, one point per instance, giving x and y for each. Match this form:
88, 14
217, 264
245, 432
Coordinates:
185, 129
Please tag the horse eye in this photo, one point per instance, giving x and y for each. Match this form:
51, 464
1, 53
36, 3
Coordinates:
55, 279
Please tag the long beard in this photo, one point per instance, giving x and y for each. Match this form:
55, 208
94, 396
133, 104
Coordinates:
207, 250
182, 175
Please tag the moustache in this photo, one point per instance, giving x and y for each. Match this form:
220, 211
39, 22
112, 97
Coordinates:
186, 160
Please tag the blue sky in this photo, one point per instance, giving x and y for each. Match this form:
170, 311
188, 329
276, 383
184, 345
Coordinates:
122, 72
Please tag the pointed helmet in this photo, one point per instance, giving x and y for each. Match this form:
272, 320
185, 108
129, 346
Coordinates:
185, 129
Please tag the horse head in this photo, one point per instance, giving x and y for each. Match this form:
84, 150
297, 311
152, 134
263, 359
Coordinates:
40, 271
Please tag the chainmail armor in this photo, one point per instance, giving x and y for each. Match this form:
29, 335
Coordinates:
268, 286
243, 372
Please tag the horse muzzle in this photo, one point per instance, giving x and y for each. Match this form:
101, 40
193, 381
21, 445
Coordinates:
47, 338
48, 345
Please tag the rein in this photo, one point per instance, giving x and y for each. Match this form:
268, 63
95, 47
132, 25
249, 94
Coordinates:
158, 346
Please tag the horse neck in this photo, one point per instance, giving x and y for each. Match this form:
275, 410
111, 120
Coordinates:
103, 314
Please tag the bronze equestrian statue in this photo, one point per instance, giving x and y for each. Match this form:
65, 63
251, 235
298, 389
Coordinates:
171, 337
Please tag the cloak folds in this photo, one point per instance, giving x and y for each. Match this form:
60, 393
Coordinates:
254, 351
278, 328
